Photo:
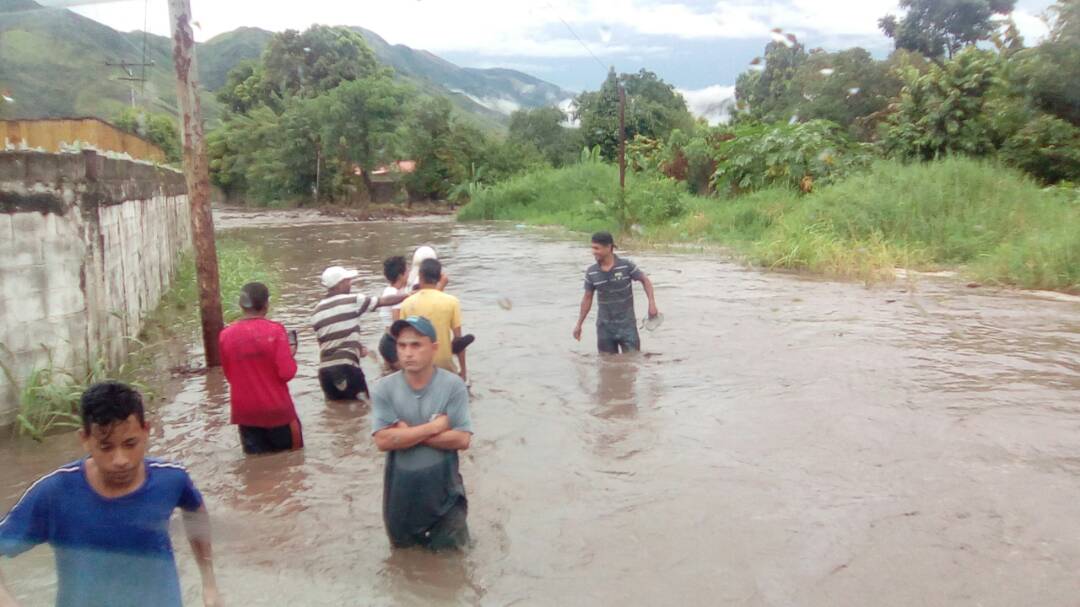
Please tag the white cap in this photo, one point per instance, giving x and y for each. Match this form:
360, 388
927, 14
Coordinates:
333, 276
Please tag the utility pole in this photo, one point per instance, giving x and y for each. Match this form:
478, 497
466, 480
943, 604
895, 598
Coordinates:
197, 173
622, 137
131, 77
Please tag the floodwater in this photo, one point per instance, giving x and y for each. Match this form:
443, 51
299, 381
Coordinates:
782, 441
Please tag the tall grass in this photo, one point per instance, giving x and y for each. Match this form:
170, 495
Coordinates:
238, 264
993, 222
48, 397
571, 197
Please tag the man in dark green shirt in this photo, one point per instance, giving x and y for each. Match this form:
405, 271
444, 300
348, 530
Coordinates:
612, 277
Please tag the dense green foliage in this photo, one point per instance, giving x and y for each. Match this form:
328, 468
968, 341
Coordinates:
653, 109
939, 28
994, 221
799, 156
545, 129
318, 115
158, 129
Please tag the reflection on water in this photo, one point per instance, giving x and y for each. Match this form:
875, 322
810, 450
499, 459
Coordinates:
780, 441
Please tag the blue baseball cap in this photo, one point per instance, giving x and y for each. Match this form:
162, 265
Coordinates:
419, 323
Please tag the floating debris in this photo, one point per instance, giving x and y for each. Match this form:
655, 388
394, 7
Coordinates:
827, 71
505, 303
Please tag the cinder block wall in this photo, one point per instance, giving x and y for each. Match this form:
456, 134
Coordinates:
88, 245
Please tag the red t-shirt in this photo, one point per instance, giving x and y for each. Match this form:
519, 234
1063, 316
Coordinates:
258, 364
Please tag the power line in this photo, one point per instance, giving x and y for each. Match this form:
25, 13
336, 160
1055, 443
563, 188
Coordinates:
578, 38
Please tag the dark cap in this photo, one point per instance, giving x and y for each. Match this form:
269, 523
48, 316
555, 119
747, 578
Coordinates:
418, 323
604, 239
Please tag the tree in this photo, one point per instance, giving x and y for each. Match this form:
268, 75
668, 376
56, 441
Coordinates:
940, 28
1050, 72
158, 129
856, 85
653, 109
359, 122
442, 146
304, 64
771, 93
544, 128
945, 110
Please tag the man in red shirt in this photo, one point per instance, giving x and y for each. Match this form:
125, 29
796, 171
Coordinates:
258, 362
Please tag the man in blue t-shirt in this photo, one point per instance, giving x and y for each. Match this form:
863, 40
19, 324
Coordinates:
106, 516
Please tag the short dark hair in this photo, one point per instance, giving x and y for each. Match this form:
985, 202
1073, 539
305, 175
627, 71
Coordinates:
254, 296
393, 267
604, 239
430, 271
110, 402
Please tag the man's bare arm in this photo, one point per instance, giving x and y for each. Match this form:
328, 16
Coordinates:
391, 300
647, 285
6, 598
451, 440
197, 527
463, 367
401, 436
586, 305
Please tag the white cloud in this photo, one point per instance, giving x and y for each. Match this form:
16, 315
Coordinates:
1031, 27
712, 102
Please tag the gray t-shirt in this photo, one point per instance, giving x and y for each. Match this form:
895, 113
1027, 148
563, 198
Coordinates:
421, 484
615, 305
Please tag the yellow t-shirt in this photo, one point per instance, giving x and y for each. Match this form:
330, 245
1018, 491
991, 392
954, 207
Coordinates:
444, 312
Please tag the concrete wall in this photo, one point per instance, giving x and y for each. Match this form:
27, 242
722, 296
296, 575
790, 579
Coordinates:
51, 134
88, 244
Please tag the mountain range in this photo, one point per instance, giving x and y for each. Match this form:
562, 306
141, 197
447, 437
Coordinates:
55, 62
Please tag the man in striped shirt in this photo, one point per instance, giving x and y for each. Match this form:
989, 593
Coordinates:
337, 325
612, 277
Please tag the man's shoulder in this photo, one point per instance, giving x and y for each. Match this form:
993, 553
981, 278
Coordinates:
448, 381
387, 385
168, 470
593, 269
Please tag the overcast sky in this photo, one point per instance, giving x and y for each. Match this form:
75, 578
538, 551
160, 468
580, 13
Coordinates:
700, 46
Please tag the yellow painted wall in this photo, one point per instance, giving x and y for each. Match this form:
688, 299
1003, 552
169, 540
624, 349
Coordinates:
50, 134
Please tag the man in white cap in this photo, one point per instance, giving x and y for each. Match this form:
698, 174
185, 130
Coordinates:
336, 321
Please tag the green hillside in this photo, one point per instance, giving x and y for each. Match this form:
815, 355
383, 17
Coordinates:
53, 63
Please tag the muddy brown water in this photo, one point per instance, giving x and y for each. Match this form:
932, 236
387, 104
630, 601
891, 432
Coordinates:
782, 441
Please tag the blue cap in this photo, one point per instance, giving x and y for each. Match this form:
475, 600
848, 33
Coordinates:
419, 323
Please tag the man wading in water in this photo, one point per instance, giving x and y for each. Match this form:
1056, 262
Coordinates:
106, 516
336, 322
612, 276
420, 417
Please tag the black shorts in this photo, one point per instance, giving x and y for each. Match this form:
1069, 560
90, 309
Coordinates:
611, 339
388, 348
342, 382
255, 440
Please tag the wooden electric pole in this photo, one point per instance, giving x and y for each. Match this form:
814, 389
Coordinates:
197, 173
622, 137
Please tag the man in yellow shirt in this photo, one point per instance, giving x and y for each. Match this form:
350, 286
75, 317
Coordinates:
444, 312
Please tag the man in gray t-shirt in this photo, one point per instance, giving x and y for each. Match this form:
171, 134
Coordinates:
420, 417
612, 277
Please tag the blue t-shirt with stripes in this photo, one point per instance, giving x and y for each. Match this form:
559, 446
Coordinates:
109, 551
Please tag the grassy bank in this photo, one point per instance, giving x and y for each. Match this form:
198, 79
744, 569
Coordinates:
990, 221
49, 395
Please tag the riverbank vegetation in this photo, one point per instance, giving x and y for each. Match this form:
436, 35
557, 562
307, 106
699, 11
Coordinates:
945, 154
